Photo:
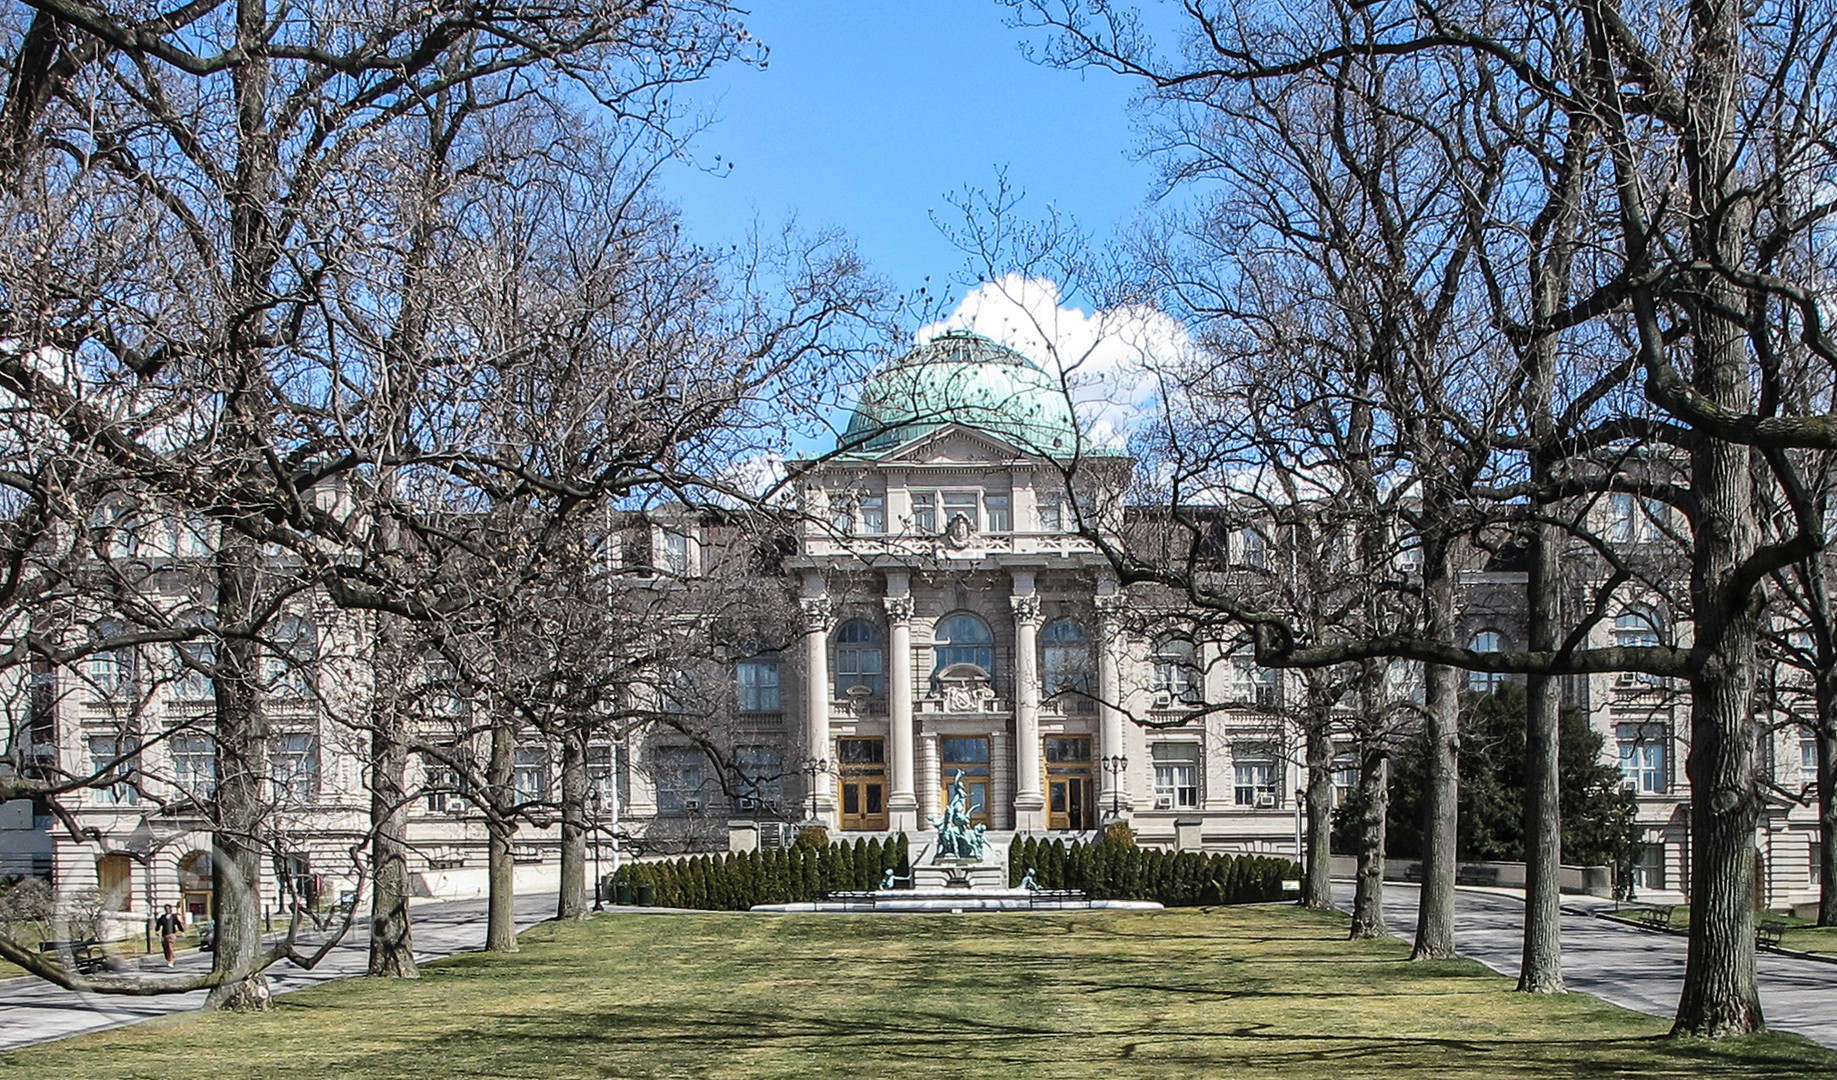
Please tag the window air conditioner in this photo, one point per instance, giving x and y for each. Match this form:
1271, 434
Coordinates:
1164, 802
746, 802
692, 805
1266, 801
1163, 699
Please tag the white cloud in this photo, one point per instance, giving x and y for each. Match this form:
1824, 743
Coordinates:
1107, 359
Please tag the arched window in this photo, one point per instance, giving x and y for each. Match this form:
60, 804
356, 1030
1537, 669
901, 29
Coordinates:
963, 639
860, 658
1637, 627
1065, 658
295, 653
196, 658
1487, 682
1176, 674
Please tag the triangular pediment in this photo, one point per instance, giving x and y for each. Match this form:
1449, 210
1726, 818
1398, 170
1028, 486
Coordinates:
956, 444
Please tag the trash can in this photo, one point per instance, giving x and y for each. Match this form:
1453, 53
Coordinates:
646, 894
621, 892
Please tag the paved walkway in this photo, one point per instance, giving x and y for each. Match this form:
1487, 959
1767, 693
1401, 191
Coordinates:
1638, 969
32, 1010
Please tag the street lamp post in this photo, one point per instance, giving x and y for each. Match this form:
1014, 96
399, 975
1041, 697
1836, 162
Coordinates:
1116, 765
599, 883
813, 768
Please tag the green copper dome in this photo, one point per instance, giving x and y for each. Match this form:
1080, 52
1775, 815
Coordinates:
963, 378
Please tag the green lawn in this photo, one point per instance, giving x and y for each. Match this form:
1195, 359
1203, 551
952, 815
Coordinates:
1230, 993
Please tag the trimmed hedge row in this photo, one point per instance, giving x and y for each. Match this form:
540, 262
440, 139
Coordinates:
738, 880
1109, 870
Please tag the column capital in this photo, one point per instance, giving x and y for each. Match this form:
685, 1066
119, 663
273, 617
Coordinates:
1109, 607
899, 609
1026, 608
816, 613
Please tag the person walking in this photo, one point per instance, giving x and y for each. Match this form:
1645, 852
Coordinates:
169, 925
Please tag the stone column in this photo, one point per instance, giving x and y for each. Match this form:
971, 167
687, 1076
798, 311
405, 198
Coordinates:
1113, 786
1029, 802
816, 705
902, 803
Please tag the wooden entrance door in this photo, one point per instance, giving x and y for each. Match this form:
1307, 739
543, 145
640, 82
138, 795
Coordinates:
863, 766
1068, 783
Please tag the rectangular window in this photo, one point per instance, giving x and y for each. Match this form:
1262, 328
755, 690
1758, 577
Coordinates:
1255, 781
675, 554
194, 766
679, 780
925, 511
1815, 878
1001, 516
1176, 766
1643, 757
760, 772
862, 751
599, 779
873, 514
1345, 777
842, 512
532, 774
758, 679
440, 786
293, 757
1068, 749
1052, 517
115, 756
1808, 756
1649, 867
962, 504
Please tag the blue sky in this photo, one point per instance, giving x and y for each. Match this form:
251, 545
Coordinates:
871, 112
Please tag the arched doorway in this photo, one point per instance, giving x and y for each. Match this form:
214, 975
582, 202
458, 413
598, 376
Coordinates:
195, 895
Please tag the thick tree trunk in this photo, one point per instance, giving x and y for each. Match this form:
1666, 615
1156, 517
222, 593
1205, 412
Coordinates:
573, 901
1827, 823
1374, 798
1441, 735
1317, 877
500, 830
1541, 967
392, 952
242, 788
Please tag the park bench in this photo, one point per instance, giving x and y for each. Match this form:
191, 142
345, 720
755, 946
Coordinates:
1053, 898
1768, 934
1655, 917
81, 956
1477, 875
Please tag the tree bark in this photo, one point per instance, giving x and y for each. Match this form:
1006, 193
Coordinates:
1541, 966
1441, 733
500, 830
572, 903
1374, 798
392, 953
242, 781
1827, 821
1317, 876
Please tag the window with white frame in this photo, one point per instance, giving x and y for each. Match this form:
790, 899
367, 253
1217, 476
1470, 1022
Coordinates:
195, 659
1256, 776
873, 510
678, 772
860, 658
440, 783
1487, 682
963, 638
1252, 684
292, 657
1000, 513
1808, 755
962, 504
1176, 671
1649, 867
1176, 772
1345, 777
1644, 757
1254, 551
293, 760
116, 757
924, 511
113, 672
1051, 513
675, 560
1637, 628
194, 765
842, 512
602, 758
757, 677
532, 774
